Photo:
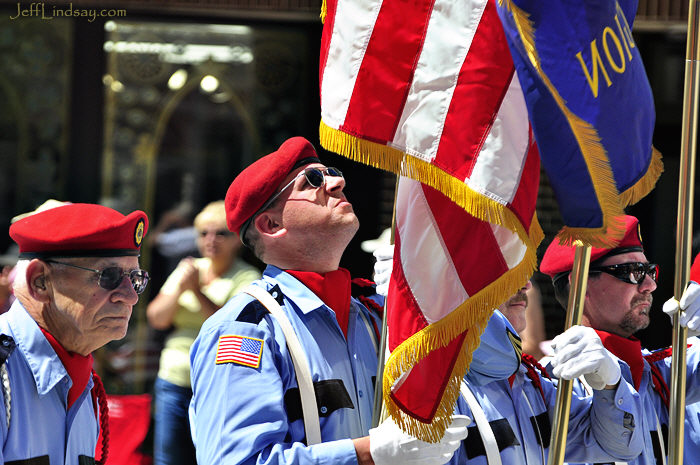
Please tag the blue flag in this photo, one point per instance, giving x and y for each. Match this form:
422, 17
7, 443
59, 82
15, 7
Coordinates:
590, 106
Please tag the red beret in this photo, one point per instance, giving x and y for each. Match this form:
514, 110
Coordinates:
695, 269
559, 258
80, 230
259, 181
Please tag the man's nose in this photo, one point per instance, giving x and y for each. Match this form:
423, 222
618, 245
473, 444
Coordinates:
647, 284
334, 183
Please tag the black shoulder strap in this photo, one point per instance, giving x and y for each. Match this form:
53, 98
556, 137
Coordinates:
254, 311
7, 345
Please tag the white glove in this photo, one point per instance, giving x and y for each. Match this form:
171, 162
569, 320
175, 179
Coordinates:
382, 267
388, 445
690, 304
579, 351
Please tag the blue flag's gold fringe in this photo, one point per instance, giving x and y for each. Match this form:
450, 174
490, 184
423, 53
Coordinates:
611, 201
473, 313
642, 187
391, 159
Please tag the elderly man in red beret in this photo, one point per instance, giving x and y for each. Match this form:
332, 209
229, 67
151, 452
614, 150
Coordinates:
78, 278
617, 304
284, 372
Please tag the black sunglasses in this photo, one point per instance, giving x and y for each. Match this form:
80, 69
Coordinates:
632, 273
110, 278
316, 177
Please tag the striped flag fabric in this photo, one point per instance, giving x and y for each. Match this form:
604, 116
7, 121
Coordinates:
239, 349
428, 89
461, 99
449, 269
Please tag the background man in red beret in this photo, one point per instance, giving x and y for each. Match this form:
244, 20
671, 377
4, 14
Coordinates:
284, 372
77, 281
617, 304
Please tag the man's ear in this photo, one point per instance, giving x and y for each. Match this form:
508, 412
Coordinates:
37, 280
269, 223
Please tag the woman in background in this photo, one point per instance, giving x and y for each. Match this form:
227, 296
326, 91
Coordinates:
196, 289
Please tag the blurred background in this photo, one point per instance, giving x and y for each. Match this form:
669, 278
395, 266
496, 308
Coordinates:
158, 105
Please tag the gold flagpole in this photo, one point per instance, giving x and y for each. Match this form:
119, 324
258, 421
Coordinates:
684, 233
577, 294
377, 414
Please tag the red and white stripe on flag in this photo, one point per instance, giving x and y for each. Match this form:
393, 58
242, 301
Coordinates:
427, 89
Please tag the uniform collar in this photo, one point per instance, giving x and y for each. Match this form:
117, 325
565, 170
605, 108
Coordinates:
498, 354
293, 289
42, 360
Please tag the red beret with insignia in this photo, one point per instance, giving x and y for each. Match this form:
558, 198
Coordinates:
259, 181
80, 230
558, 260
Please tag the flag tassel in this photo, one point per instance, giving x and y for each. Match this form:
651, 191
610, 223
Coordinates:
390, 159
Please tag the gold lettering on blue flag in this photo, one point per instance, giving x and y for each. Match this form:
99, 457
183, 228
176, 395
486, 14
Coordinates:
612, 56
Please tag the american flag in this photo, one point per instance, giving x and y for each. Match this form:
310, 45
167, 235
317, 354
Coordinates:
239, 349
428, 90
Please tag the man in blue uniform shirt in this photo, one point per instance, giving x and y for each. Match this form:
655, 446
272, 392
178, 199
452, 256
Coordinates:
511, 398
617, 305
513, 414
78, 279
284, 373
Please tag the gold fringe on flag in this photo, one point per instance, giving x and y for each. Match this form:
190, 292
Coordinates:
391, 159
473, 314
611, 201
642, 187
324, 11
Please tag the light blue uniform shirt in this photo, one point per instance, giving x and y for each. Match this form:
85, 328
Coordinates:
601, 427
653, 407
40, 426
241, 414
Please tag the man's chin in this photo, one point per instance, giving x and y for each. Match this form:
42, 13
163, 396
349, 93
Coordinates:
634, 323
642, 323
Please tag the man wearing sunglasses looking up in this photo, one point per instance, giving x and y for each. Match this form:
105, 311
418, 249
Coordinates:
617, 304
252, 402
78, 278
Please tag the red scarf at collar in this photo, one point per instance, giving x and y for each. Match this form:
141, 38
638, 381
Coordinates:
627, 349
333, 288
77, 366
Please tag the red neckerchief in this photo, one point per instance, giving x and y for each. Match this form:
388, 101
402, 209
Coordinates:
77, 366
627, 349
333, 288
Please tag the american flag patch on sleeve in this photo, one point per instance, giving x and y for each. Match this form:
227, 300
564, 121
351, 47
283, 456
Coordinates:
239, 349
